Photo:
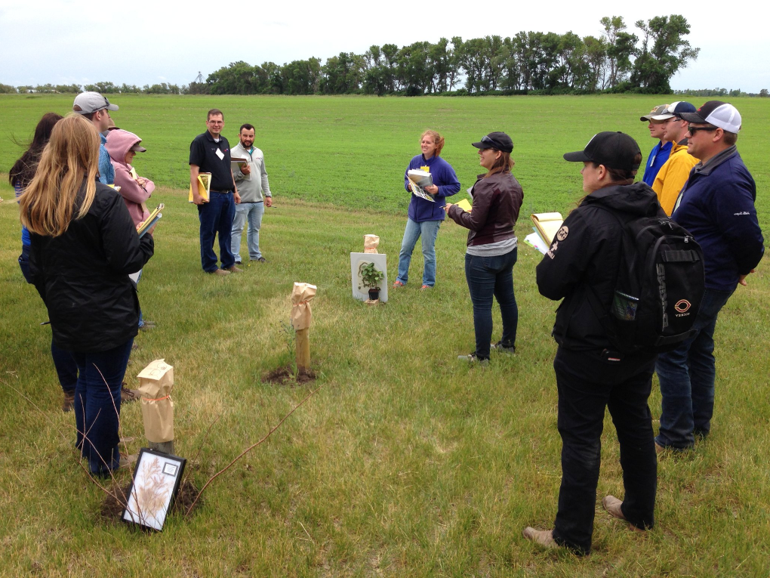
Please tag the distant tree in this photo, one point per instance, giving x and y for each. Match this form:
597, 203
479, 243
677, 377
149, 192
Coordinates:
664, 51
620, 46
343, 74
102, 88
129, 89
763, 93
301, 76
7, 89
596, 60
69, 88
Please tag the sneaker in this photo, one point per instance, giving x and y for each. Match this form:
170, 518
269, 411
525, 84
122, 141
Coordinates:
472, 358
219, 272
612, 505
426, 287
543, 538
503, 348
233, 269
69, 401
237, 262
128, 395
397, 284
260, 260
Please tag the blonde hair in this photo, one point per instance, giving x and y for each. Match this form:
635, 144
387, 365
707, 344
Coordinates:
70, 157
438, 140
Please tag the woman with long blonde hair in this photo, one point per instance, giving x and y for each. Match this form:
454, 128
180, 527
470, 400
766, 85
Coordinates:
83, 247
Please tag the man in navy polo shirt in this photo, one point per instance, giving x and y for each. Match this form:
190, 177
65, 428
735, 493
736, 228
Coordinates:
210, 153
716, 206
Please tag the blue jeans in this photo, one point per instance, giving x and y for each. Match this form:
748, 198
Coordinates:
66, 368
97, 406
428, 230
216, 217
251, 212
686, 377
488, 277
587, 383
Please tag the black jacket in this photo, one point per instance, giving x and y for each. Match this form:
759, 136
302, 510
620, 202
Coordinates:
496, 203
82, 275
585, 255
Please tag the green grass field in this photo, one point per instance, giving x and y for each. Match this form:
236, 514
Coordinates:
405, 463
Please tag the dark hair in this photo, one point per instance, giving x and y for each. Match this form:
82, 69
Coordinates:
622, 176
247, 126
215, 112
730, 138
503, 164
24, 168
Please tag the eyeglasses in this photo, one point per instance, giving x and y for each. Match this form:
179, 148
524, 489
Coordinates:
693, 129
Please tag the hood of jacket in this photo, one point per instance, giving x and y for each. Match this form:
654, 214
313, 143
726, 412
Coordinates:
636, 199
119, 142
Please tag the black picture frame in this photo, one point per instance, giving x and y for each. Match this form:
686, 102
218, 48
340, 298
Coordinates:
154, 487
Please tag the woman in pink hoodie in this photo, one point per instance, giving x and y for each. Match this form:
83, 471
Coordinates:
135, 190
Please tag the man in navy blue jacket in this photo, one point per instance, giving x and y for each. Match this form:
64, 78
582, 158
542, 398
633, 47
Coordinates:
717, 206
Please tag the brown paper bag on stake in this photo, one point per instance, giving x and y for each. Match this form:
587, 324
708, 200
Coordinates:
301, 314
371, 242
155, 384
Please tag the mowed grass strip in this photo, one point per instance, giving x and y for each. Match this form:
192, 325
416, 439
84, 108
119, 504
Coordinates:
405, 463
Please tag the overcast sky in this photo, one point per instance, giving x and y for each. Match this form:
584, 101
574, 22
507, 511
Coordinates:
150, 41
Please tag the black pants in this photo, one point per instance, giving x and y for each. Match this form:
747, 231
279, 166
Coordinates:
587, 384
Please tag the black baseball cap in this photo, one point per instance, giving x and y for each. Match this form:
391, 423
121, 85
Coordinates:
614, 150
495, 140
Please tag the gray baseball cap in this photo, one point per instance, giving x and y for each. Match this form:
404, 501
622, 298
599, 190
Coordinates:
88, 102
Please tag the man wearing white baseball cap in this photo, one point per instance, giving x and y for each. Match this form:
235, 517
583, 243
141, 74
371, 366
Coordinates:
96, 108
717, 206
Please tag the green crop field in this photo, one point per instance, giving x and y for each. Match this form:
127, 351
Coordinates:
405, 462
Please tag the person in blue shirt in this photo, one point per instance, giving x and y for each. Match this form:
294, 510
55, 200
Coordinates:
425, 216
716, 206
96, 108
660, 152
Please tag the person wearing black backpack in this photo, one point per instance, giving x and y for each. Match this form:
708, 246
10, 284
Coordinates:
582, 266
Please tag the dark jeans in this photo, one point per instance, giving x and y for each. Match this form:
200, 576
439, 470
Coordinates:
66, 368
97, 406
490, 277
216, 217
587, 384
687, 376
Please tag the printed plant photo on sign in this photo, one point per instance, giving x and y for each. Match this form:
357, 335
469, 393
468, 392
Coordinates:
156, 482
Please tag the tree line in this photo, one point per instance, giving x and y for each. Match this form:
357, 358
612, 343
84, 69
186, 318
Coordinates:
617, 60
549, 63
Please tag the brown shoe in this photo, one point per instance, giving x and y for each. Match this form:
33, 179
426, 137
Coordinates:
234, 269
128, 395
220, 272
612, 505
542, 537
69, 401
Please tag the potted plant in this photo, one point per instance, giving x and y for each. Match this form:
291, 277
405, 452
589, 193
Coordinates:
371, 277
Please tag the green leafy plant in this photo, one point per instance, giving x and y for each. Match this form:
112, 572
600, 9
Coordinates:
371, 276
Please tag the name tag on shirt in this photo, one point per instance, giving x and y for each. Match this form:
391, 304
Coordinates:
220, 154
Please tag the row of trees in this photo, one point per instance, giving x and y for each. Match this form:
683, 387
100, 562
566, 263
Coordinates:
617, 60
102, 87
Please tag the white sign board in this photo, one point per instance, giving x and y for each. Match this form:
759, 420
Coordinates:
358, 260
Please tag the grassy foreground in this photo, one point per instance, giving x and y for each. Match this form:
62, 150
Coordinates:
405, 463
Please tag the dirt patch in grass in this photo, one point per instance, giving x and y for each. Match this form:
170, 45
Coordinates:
114, 503
286, 376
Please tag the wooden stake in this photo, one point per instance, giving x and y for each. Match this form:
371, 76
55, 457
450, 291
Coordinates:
303, 350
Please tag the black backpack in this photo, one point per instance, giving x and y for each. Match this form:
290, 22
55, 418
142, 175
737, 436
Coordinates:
659, 289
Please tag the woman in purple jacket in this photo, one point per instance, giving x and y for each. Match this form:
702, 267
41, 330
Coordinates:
425, 216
